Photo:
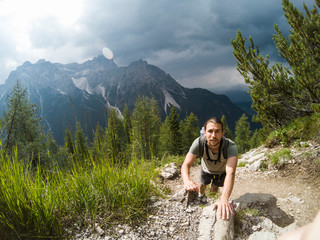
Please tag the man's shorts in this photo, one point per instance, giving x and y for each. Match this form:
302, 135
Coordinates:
217, 180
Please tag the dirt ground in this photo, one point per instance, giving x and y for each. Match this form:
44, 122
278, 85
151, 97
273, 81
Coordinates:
297, 194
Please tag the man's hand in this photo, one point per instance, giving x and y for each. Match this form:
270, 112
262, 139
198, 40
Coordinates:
225, 210
191, 186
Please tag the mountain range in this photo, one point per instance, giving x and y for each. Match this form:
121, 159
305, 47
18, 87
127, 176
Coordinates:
66, 93
241, 97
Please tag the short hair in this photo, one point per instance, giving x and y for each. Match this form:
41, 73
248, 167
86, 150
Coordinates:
213, 120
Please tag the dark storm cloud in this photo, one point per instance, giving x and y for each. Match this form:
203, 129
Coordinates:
188, 39
185, 38
144, 27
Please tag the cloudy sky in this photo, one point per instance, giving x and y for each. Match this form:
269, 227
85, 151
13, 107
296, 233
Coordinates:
189, 39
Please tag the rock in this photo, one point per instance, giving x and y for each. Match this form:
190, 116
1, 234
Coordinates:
271, 218
223, 229
256, 228
189, 210
253, 155
172, 220
203, 199
256, 157
99, 230
255, 166
213, 227
191, 196
179, 196
262, 235
207, 220
295, 199
169, 171
249, 199
267, 224
291, 227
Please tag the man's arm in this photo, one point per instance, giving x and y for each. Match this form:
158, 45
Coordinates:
224, 208
189, 185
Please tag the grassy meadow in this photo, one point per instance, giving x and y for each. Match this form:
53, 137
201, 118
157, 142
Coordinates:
43, 204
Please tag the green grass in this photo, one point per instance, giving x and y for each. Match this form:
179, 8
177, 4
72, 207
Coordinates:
214, 196
41, 204
263, 165
167, 158
279, 158
242, 164
28, 202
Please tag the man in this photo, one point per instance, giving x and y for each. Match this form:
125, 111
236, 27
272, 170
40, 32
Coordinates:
215, 169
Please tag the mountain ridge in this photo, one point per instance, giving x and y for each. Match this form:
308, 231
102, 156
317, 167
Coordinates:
65, 93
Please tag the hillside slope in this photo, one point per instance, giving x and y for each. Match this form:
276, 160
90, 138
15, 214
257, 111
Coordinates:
273, 201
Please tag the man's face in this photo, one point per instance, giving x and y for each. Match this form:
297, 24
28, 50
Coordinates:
213, 134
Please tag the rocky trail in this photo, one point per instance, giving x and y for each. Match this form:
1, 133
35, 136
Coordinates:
269, 202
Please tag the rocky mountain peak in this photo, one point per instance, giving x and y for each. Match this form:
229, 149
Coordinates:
138, 68
86, 89
101, 63
154, 75
139, 63
42, 61
26, 64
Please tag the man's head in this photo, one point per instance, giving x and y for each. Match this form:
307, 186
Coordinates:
213, 129
213, 120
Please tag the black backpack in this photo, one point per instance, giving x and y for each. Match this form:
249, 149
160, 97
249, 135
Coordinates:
204, 147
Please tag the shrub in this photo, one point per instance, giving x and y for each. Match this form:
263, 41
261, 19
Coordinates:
300, 129
279, 158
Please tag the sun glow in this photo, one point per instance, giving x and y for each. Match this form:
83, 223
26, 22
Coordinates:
22, 17
27, 17
107, 53
66, 12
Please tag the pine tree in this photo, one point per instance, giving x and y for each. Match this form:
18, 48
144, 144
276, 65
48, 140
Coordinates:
255, 139
189, 130
302, 53
51, 144
174, 132
145, 128
115, 137
243, 134
21, 126
80, 143
279, 93
127, 123
164, 138
99, 141
228, 132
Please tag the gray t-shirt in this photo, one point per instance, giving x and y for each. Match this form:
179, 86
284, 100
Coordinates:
214, 167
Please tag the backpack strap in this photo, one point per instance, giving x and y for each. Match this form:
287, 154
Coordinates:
203, 146
202, 143
225, 147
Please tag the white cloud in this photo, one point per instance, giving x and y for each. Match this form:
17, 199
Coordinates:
169, 56
19, 18
23, 12
221, 78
